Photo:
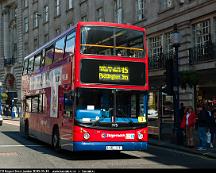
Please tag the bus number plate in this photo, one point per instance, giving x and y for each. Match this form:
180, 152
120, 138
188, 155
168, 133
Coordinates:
113, 147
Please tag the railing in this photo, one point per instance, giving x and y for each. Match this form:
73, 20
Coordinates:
159, 62
202, 53
9, 61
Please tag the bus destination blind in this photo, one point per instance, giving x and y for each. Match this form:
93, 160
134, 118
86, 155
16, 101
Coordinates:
112, 72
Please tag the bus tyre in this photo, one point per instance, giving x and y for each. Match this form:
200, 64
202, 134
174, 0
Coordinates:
26, 130
55, 139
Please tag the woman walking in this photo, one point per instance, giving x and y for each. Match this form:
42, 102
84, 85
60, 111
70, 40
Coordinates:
188, 123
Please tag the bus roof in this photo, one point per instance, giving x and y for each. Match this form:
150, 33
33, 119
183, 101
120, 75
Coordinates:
129, 26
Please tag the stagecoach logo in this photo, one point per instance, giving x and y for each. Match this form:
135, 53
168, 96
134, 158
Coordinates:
104, 135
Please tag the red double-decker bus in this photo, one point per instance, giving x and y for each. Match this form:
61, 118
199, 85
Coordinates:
87, 89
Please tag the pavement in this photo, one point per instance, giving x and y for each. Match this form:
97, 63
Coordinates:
210, 152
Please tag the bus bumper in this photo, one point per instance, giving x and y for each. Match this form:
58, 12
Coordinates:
109, 146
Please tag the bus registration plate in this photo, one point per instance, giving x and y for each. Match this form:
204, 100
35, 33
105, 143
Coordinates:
113, 147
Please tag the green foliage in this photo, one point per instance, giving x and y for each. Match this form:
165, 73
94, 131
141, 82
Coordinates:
188, 78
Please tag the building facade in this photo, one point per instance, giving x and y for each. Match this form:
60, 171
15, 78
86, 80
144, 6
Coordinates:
26, 25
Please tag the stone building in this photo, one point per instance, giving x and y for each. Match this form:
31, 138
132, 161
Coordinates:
26, 25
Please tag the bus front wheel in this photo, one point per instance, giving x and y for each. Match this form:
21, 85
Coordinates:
55, 139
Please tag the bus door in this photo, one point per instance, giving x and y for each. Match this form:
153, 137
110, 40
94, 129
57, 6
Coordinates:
68, 120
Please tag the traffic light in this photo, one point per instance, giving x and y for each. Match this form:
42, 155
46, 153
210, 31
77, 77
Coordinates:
169, 76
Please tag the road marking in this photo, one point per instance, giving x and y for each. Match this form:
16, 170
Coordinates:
8, 154
15, 123
2, 146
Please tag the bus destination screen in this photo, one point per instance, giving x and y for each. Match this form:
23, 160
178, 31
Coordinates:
112, 72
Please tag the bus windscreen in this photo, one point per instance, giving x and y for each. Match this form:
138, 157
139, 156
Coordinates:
111, 41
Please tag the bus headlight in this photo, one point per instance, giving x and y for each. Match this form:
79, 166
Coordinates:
140, 136
86, 136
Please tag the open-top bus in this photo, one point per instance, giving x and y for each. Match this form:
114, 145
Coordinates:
87, 89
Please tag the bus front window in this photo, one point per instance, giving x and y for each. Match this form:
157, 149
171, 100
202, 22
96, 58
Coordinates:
94, 105
111, 41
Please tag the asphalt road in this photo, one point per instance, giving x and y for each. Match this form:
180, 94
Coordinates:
18, 152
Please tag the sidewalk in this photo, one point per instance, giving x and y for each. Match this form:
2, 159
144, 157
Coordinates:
211, 152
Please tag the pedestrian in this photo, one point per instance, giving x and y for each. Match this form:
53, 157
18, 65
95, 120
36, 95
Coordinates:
188, 123
212, 126
181, 135
203, 124
182, 111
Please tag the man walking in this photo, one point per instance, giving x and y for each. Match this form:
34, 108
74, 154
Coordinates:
203, 125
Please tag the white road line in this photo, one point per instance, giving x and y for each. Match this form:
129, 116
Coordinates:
11, 123
2, 146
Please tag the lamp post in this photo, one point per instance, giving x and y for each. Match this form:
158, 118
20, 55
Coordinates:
0, 99
176, 45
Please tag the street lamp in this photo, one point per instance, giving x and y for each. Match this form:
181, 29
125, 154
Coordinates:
1, 103
176, 45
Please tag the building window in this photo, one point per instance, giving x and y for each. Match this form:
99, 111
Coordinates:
168, 47
201, 33
46, 38
58, 31
118, 11
26, 49
155, 46
57, 7
84, 19
100, 14
140, 9
46, 13
34, 1
25, 3
35, 19
164, 4
26, 24
70, 4
35, 43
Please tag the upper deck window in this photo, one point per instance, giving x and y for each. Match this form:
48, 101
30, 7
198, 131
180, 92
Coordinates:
31, 65
110, 41
70, 43
25, 67
37, 62
49, 56
59, 50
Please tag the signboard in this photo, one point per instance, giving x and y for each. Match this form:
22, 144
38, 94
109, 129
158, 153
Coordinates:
112, 72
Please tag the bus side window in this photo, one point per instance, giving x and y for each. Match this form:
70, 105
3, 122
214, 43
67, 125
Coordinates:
49, 56
43, 58
59, 50
37, 62
31, 65
25, 67
68, 104
70, 45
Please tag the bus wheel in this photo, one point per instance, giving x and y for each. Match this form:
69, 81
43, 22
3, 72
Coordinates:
55, 139
26, 130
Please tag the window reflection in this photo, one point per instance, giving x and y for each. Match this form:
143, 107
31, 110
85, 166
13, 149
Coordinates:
59, 50
70, 43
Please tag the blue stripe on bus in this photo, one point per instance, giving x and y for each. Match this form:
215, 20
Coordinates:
101, 146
